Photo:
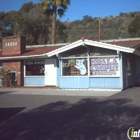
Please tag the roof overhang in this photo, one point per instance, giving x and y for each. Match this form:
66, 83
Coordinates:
23, 57
109, 46
91, 43
65, 48
76, 44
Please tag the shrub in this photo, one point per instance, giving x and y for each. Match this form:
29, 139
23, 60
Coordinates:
6, 78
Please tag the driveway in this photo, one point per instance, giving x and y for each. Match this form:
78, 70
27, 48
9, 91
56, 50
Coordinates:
40, 114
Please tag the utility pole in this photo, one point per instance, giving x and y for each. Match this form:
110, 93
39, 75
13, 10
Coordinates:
99, 31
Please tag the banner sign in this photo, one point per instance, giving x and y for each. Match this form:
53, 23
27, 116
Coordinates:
36, 62
104, 67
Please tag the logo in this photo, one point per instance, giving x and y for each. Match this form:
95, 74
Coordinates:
131, 133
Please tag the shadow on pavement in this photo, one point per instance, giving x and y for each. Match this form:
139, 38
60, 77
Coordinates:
6, 113
6, 92
89, 119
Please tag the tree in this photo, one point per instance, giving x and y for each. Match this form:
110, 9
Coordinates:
35, 26
134, 27
54, 7
87, 18
61, 34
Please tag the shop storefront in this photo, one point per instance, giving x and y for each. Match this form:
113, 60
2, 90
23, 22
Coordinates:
90, 67
84, 64
40, 72
87, 64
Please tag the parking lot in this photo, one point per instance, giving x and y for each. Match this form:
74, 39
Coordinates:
53, 114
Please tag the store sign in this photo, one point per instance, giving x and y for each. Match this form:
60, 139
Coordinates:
36, 62
107, 67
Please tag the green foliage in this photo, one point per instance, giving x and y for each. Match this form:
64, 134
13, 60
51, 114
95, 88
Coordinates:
5, 77
61, 35
54, 8
111, 27
134, 27
60, 5
36, 24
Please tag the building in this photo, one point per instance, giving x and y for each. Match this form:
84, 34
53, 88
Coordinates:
84, 64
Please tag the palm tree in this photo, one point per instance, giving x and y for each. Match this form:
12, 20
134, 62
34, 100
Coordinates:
54, 7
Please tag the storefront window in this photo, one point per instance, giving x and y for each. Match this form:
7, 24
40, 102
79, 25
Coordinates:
138, 66
104, 67
74, 67
78, 52
90, 61
35, 67
128, 67
96, 51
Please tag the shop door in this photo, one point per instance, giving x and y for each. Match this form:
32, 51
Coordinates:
50, 72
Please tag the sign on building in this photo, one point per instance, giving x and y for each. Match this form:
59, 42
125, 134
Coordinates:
104, 67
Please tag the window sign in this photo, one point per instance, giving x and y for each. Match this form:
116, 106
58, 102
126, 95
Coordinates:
35, 67
104, 67
74, 67
36, 62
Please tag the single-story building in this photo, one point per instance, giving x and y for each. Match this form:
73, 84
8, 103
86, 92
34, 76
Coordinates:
83, 64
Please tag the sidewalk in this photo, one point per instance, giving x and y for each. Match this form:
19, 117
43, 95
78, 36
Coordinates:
132, 94
61, 92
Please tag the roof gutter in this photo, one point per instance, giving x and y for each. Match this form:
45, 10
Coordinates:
21, 57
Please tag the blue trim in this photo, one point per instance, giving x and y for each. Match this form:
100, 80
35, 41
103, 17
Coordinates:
68, 82
34, 81
58, 71
121, 70
105, 82
74, 82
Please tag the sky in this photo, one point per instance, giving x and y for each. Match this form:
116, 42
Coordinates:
80, 8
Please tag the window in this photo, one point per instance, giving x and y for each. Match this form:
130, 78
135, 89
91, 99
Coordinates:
13, 76
96, 51
74, 67
128, 67
77, 52
137, 65
95, 62
35, 68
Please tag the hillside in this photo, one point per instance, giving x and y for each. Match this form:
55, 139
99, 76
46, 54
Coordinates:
32, 22
110, 27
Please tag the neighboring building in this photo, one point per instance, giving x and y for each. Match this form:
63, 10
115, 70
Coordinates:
84, 64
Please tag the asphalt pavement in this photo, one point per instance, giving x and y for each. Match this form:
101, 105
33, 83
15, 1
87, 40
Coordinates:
34, 97
54, 114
